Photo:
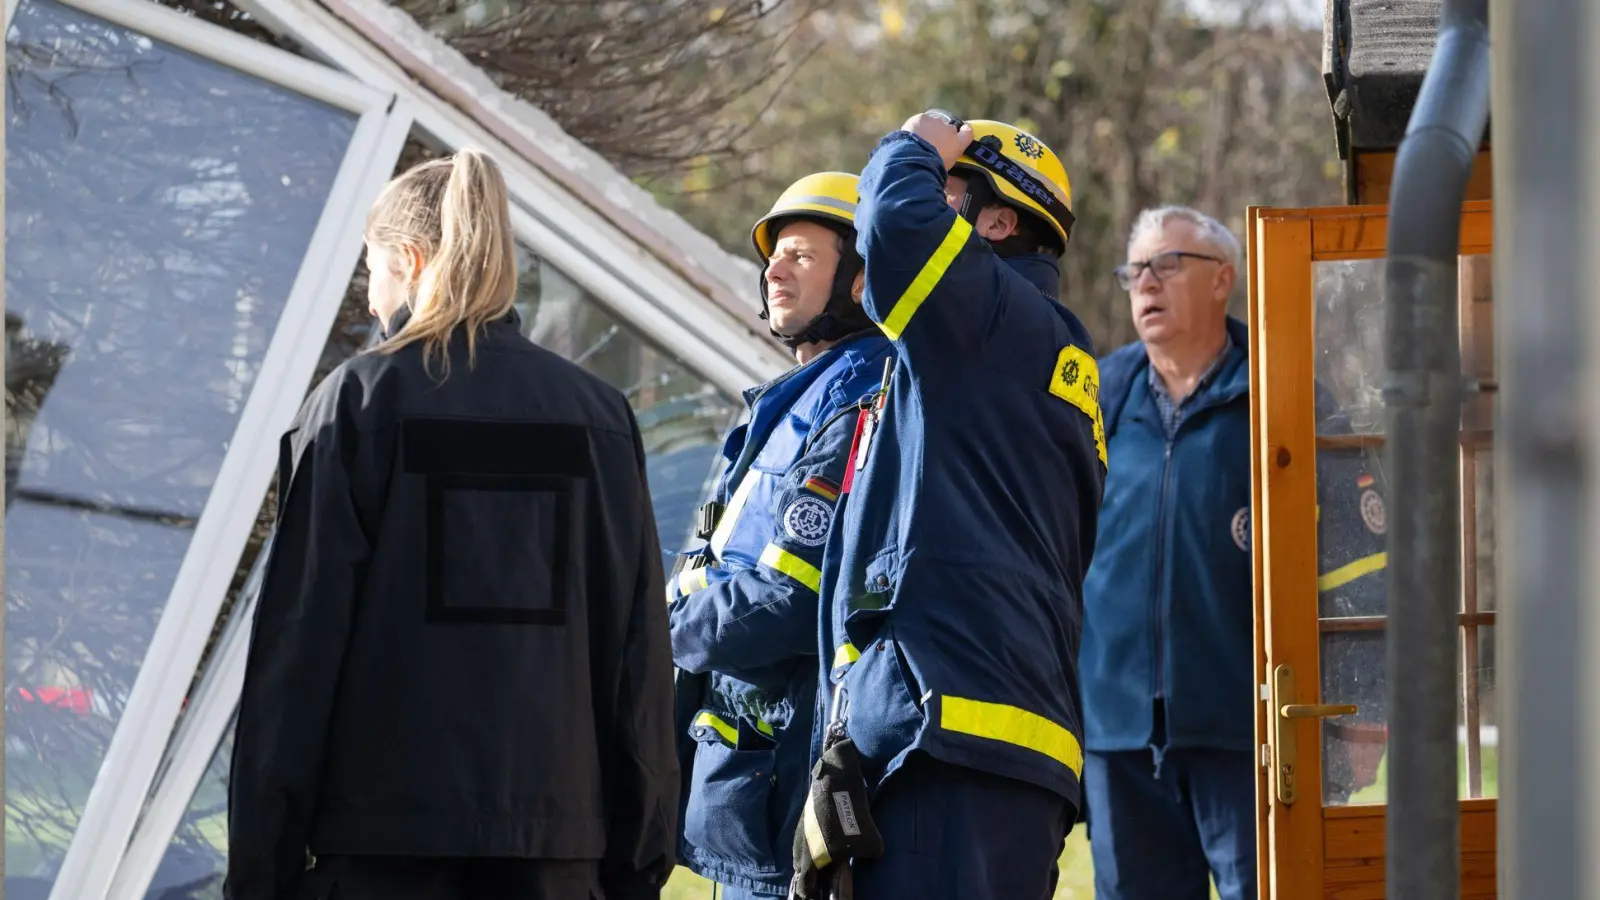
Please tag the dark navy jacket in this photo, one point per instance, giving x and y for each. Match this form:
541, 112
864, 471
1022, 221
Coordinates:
459, 648
1169, 600
951, 609
747, 622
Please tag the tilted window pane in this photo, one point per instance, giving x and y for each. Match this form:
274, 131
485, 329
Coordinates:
682, 416
158, 207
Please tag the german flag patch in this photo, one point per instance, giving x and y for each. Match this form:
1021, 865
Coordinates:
1365, 481
822, 487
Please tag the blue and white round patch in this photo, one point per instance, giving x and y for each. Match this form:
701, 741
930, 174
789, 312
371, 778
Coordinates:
1241, 528
806, 520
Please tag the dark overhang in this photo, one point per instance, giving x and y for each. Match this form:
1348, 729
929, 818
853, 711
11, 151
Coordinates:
1374, 56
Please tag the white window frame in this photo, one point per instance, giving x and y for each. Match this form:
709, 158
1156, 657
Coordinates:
134, 757
199, 735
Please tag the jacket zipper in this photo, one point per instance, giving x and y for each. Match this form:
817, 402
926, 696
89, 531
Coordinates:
1156, 592
1162, 510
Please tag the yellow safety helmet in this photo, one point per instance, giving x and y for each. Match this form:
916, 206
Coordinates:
1023, 171
829, 196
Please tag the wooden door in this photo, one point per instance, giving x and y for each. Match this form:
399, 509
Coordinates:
1316, 327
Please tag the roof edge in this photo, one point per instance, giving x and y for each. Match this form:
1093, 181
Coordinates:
533, 134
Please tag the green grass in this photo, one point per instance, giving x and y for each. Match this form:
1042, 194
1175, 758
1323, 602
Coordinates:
1378, 791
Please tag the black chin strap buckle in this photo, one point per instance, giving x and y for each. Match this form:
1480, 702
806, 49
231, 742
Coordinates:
706, 519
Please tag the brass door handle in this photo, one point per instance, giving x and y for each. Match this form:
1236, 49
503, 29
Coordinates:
1316, 710
1285, 748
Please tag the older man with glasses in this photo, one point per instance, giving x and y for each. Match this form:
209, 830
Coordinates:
1166, 656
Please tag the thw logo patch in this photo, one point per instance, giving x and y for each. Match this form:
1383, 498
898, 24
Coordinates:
1076, 379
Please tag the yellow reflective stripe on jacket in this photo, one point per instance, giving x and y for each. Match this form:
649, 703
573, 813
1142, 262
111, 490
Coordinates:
1351, 571
845, 655
691, 580
1011, 725
894, 324
730, 516
793, 566
728, 732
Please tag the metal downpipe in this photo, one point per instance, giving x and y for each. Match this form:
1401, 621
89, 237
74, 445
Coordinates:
1423, 391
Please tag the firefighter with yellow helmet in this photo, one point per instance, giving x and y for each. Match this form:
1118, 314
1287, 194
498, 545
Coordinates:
952, 612
744, 598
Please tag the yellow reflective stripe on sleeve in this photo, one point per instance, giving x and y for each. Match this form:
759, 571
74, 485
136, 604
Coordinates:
730, 516
894, 324
1351, 571
845, 655
1076, 380
728, 732
765, 728
1011, 725
776, 557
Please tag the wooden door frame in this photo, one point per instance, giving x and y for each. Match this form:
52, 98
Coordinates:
1283, 246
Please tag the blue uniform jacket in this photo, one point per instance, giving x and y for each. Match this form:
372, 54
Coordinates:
951, 610
1169, 599
747, 623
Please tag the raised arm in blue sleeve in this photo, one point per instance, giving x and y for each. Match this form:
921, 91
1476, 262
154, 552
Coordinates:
931, 283
750, 618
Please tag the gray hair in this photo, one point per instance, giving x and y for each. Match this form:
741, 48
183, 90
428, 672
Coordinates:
1211, 231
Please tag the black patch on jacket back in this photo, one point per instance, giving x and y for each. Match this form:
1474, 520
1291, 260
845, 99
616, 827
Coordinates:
503, 512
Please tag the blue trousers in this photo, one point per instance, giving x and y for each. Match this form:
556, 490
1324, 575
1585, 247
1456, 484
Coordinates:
1161, 821
953, 833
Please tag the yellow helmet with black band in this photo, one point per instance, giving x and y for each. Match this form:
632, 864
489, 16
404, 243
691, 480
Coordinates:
830, 199
826, 196
1020, 170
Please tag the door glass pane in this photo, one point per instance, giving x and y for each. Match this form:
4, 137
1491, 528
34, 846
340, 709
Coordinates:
1352, 499
1351, 522
158, 207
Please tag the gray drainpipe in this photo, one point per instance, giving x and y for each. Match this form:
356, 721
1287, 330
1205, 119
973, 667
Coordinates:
1422, 393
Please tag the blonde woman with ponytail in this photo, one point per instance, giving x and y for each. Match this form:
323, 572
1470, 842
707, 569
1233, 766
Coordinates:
459, 682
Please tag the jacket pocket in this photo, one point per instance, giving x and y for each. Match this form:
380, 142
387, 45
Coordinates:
729, 810
884, 712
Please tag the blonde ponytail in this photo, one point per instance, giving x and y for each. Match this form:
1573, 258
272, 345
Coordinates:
456, 214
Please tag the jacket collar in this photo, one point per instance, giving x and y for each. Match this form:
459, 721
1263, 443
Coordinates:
795, 379
403, 315
1127, 368
1040, 270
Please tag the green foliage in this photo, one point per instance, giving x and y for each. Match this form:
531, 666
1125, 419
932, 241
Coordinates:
1144, 105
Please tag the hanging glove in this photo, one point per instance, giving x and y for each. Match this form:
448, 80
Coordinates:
836, 825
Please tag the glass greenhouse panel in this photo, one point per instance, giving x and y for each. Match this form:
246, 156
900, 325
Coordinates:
683, 417
158, 209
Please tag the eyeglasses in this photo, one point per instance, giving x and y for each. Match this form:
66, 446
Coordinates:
1163, 265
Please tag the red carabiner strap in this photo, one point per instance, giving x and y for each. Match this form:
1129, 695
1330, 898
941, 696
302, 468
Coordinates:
855, 441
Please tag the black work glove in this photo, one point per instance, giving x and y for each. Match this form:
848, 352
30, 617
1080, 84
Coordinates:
836, 825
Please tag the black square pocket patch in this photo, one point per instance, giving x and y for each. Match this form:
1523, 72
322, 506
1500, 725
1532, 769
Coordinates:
504, 516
